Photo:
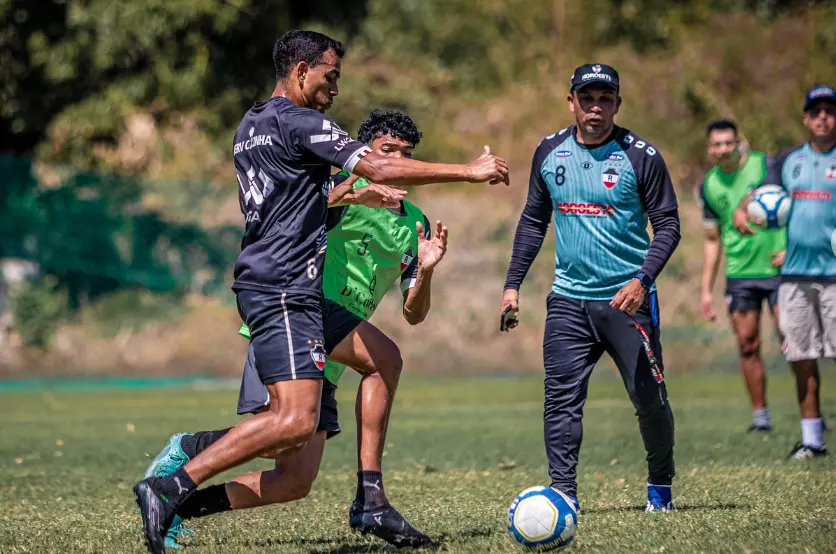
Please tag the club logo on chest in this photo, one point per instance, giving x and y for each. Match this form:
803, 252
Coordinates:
609, 177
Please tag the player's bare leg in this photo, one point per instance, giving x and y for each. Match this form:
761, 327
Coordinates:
288, 423
807, 387
291, 480
372, 353
746, 325
807, 383
372, 409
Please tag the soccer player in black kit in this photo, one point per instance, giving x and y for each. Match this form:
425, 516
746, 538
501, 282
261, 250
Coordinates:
283, 151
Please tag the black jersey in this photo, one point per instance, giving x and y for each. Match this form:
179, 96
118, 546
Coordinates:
283, 154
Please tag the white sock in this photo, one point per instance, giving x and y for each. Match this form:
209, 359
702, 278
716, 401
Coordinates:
811, 432
761, 417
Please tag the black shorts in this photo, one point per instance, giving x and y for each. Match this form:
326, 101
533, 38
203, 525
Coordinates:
253, 397
292, 333
747, 295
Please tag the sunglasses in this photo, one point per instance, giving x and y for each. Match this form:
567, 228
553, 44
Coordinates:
814, 111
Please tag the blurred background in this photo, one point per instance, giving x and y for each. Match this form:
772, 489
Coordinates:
119, 218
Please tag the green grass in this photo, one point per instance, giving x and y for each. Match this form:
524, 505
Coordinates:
458, 452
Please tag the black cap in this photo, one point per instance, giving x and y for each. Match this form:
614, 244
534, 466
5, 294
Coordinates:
819, 92
594, 73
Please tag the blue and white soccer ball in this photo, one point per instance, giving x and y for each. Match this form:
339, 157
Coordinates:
769, 206
542, 519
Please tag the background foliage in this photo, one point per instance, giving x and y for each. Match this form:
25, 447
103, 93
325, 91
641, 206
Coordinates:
145, 96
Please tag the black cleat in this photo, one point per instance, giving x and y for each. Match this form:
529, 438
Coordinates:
388, 524
152, 510
804, 452
759, 428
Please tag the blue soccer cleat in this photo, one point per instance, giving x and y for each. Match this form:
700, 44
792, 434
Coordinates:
170, 459
659, 498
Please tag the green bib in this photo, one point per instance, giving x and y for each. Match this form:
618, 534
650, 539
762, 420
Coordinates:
747, 256
367, 252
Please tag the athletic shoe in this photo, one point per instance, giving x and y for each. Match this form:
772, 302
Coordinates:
152, 511
804, 452
759, 428
170, 459
386, 523
659, 498
575, 503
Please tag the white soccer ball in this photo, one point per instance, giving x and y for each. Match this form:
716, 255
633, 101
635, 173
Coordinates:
769, 206
542, 519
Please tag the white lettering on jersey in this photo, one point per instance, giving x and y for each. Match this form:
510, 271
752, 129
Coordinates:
252, 191
253, 142
333, 133
641, 144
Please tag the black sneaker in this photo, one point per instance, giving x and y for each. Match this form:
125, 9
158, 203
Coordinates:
804, 452
386, 523
155, 516
759, 428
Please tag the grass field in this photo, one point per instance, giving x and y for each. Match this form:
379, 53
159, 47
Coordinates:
459, 450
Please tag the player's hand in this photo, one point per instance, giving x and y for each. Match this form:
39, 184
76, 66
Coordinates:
431, 251
741, 222
707, 306
379, 196
629, 299
511, 297
778, 258
490, 168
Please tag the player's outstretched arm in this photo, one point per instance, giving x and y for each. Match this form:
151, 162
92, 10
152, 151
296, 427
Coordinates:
372, 195
431, 250
408, 172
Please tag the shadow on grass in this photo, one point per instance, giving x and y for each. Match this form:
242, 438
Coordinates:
439, 542
685, 508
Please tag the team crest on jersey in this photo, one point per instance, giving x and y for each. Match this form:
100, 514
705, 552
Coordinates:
831, 172
407, 258
318, 355
609, 177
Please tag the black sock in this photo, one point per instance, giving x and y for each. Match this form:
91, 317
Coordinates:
193, 445
174, 488
208, 501
370, 493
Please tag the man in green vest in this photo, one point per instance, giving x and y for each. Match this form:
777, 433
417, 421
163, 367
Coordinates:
368, 251
753, 262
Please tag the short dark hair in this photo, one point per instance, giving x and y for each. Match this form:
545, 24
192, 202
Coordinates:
720, 125
302, 46
389, 122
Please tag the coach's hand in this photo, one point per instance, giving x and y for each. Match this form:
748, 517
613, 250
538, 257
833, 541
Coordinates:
629, 299
741, 222
490, 168
511, 297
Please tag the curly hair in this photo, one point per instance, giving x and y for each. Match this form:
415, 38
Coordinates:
389, 122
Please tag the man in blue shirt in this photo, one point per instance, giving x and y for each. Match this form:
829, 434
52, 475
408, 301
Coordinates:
601, 182
807, 295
